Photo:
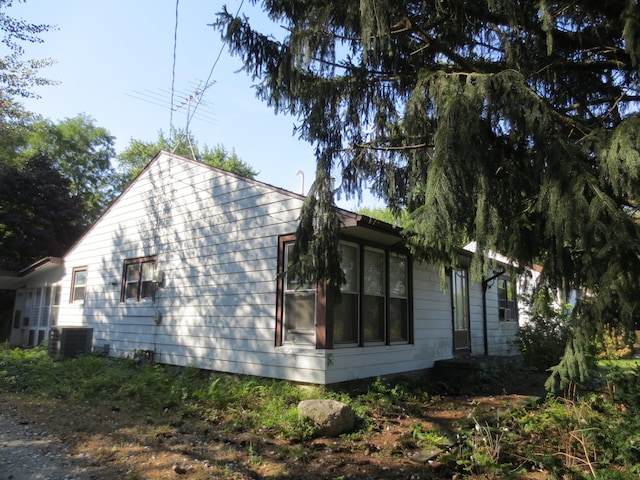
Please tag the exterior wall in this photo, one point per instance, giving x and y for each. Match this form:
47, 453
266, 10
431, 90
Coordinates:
433, 333
501, 335
215, 236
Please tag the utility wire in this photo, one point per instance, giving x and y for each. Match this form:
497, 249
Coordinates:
173, 68
207, 82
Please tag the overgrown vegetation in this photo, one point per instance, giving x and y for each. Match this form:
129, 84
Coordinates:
592, 436
543, 338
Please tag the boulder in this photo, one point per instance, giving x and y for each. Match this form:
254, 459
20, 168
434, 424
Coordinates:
331, 417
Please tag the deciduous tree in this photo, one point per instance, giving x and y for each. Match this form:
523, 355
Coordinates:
138, 153
513, 123
39, 216
82, 152
19, 75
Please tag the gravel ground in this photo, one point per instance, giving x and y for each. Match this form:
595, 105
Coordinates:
29, 452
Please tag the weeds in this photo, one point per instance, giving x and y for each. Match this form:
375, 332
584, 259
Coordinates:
595, 436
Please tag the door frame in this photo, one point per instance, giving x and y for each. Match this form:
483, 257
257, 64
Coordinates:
461, 337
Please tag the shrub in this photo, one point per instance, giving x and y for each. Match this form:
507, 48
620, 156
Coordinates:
544, 337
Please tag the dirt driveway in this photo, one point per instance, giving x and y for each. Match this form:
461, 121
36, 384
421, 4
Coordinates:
29, 452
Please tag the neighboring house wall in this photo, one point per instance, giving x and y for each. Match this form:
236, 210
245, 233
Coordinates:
214, 236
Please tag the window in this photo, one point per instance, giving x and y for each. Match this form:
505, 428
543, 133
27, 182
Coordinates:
78, 285
347, 311
507, 305
374, 295
398, 313
299, 308
373, 306
138, 279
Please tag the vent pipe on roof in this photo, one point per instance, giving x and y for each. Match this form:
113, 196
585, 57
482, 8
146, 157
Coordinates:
301, 173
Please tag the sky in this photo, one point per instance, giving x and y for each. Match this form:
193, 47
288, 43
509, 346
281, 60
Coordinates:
115, 62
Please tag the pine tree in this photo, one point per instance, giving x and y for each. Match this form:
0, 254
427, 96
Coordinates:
512, 123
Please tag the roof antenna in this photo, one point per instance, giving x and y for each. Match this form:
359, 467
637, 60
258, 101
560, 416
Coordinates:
301, 173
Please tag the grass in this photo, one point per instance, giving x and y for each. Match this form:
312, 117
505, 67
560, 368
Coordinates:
593, 437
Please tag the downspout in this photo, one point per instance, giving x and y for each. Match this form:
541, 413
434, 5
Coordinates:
485, 286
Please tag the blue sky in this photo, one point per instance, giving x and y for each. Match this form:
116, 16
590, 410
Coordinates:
115, 63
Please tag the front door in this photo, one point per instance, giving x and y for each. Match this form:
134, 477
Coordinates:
460, 311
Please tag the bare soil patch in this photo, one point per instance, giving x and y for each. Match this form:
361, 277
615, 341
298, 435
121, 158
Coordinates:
81, 442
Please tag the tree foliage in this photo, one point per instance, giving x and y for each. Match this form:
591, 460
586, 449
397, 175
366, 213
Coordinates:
18, 75
82, 152
14, 125
138, 153
513, 123
38, 214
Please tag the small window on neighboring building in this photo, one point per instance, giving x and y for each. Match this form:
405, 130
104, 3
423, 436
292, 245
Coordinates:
507, 305
138, 282
78, 285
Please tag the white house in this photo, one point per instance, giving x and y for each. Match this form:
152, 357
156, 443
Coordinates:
188, 265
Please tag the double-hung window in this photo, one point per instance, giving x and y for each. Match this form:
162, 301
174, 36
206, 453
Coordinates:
398, 311
299, 308
78, 285
138, 281
507, 304
347, 311
374, 296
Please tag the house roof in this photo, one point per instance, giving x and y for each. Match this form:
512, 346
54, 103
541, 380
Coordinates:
12, 280
371, 229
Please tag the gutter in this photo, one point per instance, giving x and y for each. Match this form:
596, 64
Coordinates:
485, 286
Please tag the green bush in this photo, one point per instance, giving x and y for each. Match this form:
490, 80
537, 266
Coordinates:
542, 340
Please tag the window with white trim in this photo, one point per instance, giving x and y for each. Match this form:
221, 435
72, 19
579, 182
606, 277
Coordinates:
138, 282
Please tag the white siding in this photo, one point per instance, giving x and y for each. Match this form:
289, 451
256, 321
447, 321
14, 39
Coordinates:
215, 238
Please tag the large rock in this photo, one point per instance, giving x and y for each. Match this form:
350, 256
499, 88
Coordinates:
330, 416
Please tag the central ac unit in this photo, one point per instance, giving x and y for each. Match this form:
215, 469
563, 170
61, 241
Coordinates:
70, 342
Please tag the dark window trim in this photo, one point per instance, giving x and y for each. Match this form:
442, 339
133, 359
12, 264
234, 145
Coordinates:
324, 322
514, 287
73, 284
133, 261
281, 271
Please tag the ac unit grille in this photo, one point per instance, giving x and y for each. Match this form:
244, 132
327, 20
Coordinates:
70, 342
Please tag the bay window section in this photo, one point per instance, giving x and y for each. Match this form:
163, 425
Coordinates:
346, 311
373, 314
299, 308
373, 306
398, 298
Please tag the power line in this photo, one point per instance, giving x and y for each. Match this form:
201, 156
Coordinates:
207, 83
173, 68
162, 98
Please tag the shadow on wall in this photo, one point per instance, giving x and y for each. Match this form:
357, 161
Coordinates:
215, 237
